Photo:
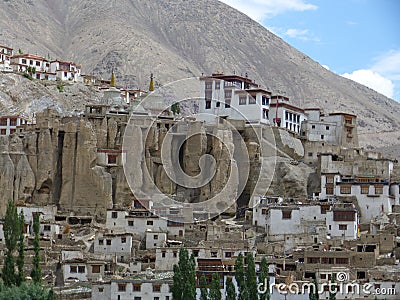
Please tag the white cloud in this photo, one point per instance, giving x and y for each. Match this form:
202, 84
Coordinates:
326, 67
301, 34
261, 9
373, 80
388, 65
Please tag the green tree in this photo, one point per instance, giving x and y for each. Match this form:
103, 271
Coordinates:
184, 286
251, 277
263, 279
215, 290
21, 250
11, 236
36, 272
332, 289
203, 288
20, 51
26, 291
313, 295
230, 289
176, 108
239, 275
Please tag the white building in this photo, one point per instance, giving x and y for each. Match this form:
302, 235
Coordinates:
366, 180
5, 59
112, 245
75, 269
155, 239
234, 97
286, 115
342, 223
66, 70
132, 289
9, 124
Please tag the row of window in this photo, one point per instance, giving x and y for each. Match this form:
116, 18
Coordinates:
32, 62
137, 287
108, 241
3, 122
346, 189
328, 260
292, 117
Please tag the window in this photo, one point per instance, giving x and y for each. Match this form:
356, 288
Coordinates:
342, 261
24, 61
342, 227
217, 85
208, 85
378, 189
208, 104
180, 233
242, 100
3, 132
136, 287
101, 242
149, 222
155, 237
114, 215
327, 127
322, 136
73, 269
111, 159
327, 260
214, 253
313, 260
13, 122
130, 223
123, 239
228, 94
46, 228
313, 126
365, 189
252, 100
31, 62
38, 64
96, 269
157, 288
345, 189
329, 178
265, 100
265, 113
3, 122
228, 254
108, 242
264, 211
175, 254
65, 74
101, 289
286, 214
195, 253
81, 269
343, 215
163, 254
218, 104
329, 189
121, 287
310, 154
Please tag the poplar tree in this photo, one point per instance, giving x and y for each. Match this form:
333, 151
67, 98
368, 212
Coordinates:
263, 279
332, 289
184, 287
215, 291
36, 272
230, 289
203, 288
11, 236
251, 277
21, 250
239, 275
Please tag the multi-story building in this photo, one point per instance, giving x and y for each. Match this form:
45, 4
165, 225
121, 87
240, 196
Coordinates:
234, 97
9, 124
5, 59
66, 70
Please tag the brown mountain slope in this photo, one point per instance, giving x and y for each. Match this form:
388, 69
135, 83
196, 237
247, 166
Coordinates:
181, 38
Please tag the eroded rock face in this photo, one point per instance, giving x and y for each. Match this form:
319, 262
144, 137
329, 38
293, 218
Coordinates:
62, 161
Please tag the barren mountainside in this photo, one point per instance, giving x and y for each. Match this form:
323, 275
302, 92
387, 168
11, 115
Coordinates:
183, 38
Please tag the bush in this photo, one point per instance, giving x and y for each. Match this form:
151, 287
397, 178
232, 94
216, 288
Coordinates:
26, 75
26, 291
60, 87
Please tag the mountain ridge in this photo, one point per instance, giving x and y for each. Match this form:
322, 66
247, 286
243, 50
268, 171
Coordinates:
178, 39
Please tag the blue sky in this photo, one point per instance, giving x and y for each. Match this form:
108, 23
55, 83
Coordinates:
358, 39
